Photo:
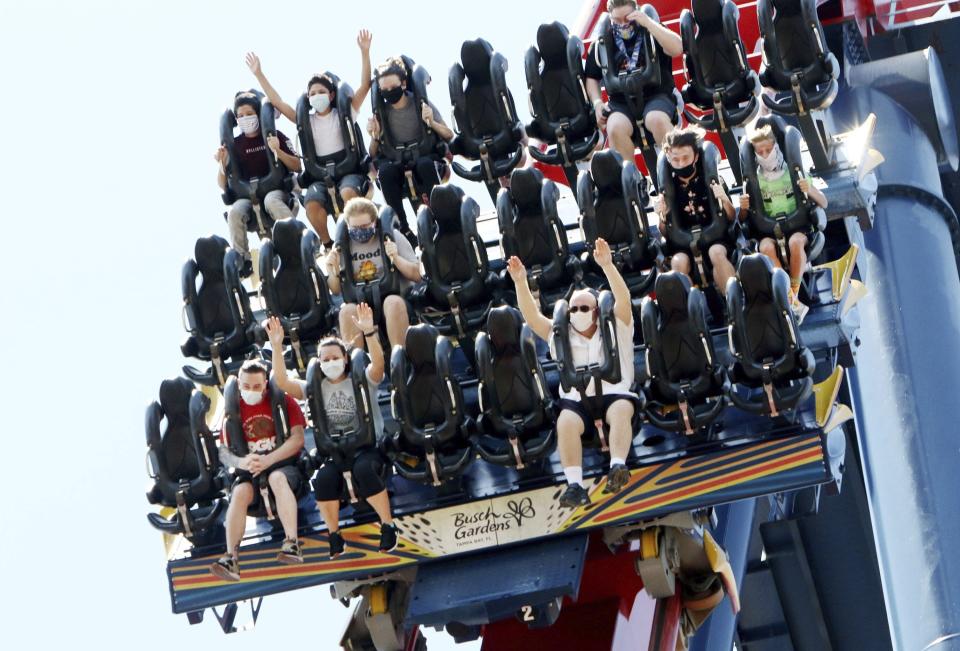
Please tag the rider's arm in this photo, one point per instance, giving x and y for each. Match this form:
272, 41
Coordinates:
668, 39
529, 308
290, 448
363, 42
285, 109
375, 370
622, 306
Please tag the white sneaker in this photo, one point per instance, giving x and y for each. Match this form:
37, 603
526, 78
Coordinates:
799, 309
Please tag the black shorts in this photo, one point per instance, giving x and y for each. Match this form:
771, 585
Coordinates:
659, 102
318, 190
594, 408
294, 480
366, 472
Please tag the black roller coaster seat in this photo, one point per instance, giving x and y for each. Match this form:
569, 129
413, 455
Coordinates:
255, 189
295, 290
687, 385
217, 314
354, 158
457, 276
531, 229
807, 218
719, 79
429, 144
517, 414
432, 444
612, 197
183, 462
264, 504
343, 447
773, 371
562, 113
488, 128
373, 291
796, 61
697, 240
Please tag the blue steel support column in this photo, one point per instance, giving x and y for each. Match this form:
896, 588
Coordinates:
734, 526
906, 384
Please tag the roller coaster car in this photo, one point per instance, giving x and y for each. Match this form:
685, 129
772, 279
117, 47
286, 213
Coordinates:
264, 504
562, 113
489, 130
773, 371
720, 82
183, 463
406, 154
254, 189
354, 158
612, 198
687, 384
698, 239
342, 448
531, 229
457, 276
217, 315
373, 291
633, 86
433, 443
516, 408
295, 290
796, 61
807, 218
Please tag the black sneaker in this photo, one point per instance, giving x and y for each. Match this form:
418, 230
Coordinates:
617, 478
247, 269
336, 544
226, 568
575, 495
290, 552
388, 537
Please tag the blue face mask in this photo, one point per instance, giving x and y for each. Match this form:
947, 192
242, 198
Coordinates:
362, 233
627, 31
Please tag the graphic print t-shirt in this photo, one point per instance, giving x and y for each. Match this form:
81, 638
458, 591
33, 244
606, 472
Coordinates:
258, 426
340, 404
368, 258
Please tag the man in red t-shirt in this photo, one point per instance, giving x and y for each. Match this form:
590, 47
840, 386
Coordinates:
263, 456
251, 151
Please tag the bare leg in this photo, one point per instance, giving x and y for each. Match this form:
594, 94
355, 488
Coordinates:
286, 503
769, 248
680, 262
619, 419
620, 132
317, 217
569, 431
240, 498
658, 123
330, 510
798, 257
381, 504
722, 268
397, 320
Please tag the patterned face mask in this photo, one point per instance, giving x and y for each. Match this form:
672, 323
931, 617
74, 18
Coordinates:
362, 233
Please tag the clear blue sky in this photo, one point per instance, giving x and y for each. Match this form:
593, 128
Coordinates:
110, 123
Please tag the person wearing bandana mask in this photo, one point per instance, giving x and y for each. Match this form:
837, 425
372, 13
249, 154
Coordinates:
367, 260
630, 25
264, 456
403, 120
682, 149
617, 403
254, 163
326, 132
776, 189
341, 412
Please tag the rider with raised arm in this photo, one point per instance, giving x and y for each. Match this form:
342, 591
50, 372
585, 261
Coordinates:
616, 404
259, 430
325, 130
342, 414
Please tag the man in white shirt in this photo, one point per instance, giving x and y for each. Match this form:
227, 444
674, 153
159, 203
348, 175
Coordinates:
580, 415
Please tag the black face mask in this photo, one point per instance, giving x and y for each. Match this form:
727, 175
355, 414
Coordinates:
393, 95
685, 171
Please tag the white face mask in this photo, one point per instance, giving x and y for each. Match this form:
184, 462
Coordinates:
332, 368
581, 321
772, 161
251, 397
249, 124
320, 102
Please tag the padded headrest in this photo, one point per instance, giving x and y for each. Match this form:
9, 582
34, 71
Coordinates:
286, 238
552, 42
421, 345
756, 276
525, 186
673, 291
475, 58
208, 254
788, 7
606, 168
503, 328
175, 397
708, 14
445, 203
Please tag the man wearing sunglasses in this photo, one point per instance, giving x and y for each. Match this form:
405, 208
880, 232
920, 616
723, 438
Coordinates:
580, 417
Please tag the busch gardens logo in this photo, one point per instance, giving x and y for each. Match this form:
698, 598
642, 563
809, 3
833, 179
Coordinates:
488, 521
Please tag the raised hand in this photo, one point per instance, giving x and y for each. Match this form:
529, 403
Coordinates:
274, 332
601, 253
640, 18
253, 62
363, 40
364, 318
516, 270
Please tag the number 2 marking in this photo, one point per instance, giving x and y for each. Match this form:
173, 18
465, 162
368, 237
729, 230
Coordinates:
527, 613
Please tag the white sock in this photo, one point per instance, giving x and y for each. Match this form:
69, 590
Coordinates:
574, 474
615, 460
